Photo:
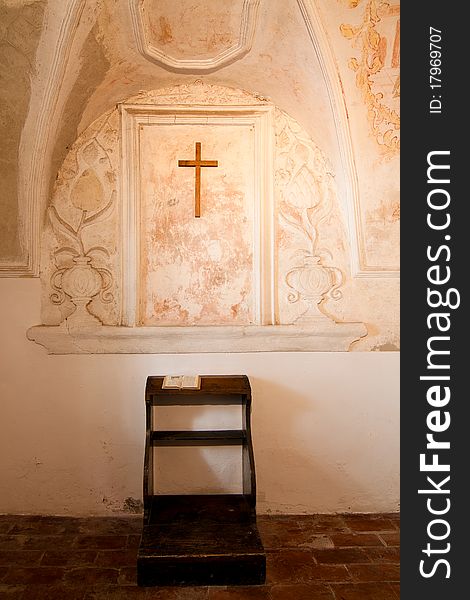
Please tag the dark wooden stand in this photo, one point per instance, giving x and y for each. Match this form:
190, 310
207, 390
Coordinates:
201, 539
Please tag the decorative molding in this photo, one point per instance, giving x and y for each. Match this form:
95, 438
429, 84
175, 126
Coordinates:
324, 337
198, 92
259, 116
20, 267
325, 57
20, 35
227, 56
34, 180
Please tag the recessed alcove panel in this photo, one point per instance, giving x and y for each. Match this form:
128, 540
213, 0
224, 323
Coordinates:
196, 270
217, 269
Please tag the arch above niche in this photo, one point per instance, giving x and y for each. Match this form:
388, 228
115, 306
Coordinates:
92, 244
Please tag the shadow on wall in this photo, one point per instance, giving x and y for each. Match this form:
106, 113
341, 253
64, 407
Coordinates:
294, 444
198, 470
302, 453
296, 452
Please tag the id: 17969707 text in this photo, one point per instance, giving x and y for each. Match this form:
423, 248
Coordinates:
435, 70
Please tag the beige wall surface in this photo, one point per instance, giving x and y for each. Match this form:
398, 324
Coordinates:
72, 427
326, 75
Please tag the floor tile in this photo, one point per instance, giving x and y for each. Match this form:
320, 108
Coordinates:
289, 566
20, 558
116, 558
45, 526
109, 526
12, 592
128, 576
310, 557
383, 572
12, 542
345, 540
101, 542
368, 523
381, 555
133, 540
55, 592
34, 575
297, 566
280, 534
5, 525
302, 591
91, 576
177, 593
69, 558
323, 523
391, 539
240, 593
363, 591
48, 542
341, 556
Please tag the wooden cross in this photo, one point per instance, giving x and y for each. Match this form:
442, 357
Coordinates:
198, 163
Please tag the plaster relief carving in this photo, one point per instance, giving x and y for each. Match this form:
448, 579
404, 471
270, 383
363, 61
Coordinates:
377, 68
185, 36
305, 193
84, 201
313, 283
199, 92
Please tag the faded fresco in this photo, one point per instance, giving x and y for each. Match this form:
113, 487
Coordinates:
192, 29
196, 271
377, 68
365, 38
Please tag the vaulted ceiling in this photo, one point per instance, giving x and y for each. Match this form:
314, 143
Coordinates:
65, 62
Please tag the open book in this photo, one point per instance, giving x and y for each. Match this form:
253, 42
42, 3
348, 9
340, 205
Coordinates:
180, 382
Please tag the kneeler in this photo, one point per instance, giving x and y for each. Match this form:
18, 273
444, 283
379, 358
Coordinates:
207, 539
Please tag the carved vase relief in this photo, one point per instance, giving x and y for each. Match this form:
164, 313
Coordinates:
305, 197
82, 209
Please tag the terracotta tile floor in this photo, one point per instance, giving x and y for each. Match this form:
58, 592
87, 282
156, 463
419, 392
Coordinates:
317, 557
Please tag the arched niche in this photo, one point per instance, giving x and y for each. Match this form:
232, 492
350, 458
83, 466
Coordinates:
126, 267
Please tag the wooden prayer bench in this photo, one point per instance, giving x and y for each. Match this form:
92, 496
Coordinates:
200, 539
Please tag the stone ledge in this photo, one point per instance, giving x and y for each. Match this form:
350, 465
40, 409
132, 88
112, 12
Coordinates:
323, 337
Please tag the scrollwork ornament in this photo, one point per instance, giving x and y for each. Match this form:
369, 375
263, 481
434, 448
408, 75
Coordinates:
383, 120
